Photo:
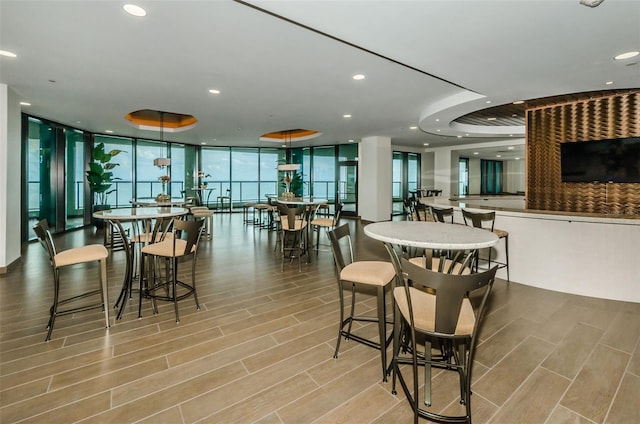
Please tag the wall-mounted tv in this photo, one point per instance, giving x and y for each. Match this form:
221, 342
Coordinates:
614, 160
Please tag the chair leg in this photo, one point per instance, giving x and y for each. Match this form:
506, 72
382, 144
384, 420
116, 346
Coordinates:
341, 326
427, 373
174, 264
506, 252
382, 329
54, 306
105, 287
397, 324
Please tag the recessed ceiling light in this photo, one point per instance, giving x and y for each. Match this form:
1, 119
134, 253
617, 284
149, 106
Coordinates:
511, 135
25, 104
498, 156
203, 143
437, 119
609, 82
425, 144
346, 116
518, 102
214, 91
510, 147
438, 130
7, 54
358, 77
466, 134
134, 10
488, 101
517, 158
109, 131
413, 128
476, 153
459, 136
626, 55
491, 119
351, 140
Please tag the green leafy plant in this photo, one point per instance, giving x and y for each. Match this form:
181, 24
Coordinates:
295, 183
100, 175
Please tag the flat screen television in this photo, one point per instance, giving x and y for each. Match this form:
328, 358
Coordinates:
614, 160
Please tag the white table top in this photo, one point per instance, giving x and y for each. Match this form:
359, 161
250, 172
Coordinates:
125, 214
300, 200
431, 235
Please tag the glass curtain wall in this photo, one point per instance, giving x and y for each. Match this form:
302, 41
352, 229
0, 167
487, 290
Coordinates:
245, 174
405, 178
122, 190
348, 178
463, 176
148, 182
74, 181
324, 173
216, 163
41, 175
269, 159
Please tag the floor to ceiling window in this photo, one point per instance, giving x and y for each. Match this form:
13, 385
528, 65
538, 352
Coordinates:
148, 184
463, 176
122, 190
348, 178
405, 174
324, 173
74, 181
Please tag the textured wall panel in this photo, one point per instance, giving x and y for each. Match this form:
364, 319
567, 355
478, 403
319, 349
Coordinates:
613, 116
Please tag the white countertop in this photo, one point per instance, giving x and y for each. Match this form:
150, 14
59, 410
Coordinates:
431, 235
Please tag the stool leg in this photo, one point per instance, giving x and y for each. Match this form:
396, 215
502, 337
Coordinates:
104, 285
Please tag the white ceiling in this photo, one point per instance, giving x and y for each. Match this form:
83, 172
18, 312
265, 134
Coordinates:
289, 64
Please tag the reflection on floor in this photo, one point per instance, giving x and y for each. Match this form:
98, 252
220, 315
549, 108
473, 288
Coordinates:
260, 349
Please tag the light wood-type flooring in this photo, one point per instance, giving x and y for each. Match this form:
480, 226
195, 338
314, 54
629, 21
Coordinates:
260, 350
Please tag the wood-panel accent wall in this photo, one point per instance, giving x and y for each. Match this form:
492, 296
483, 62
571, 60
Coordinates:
606, 117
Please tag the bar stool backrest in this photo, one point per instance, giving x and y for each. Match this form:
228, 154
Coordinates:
478, 219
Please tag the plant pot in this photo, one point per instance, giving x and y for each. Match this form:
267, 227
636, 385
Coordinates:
98, 223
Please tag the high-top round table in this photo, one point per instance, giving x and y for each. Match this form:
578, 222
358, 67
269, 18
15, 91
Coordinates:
141, 223
431, 235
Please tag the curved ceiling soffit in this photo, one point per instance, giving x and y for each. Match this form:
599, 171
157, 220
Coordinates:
439, 117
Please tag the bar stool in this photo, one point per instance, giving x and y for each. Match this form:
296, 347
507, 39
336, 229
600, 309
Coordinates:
486, 220
352, 275
246, 208
207, 215
74, 256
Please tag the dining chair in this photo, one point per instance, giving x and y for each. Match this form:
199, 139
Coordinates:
183, 245
442, 317
293, 232
221, 199
486, 220
356, 277
422, 212
74, 256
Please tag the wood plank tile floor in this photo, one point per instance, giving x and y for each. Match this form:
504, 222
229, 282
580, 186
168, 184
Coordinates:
260, 349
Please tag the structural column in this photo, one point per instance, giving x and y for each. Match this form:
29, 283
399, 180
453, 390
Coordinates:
10, 184
374, 179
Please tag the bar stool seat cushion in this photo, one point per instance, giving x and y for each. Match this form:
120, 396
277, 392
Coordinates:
165, 248
323, 222
500, 233
78, 255
375, 273
424, 307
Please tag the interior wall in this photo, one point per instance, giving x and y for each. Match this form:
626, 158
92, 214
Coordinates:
604, 117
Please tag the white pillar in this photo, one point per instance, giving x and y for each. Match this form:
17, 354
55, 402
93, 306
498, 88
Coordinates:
10, 160
374, 179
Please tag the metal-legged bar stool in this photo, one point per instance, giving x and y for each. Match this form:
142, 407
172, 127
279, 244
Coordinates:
203, 212
74, 256
355, 275
486, 220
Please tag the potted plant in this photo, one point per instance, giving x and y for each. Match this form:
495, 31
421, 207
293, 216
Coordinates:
100, 178
292, 183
